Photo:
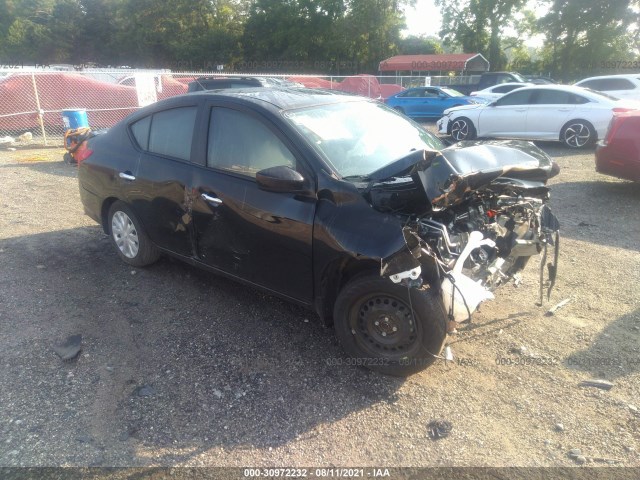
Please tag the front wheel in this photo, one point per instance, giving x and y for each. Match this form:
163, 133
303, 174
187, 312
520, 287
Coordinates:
127, 235
388, 328
578, 134
462, 129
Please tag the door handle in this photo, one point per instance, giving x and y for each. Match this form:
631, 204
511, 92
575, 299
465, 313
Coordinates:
564, 109
214, 200
521, 109
126, 176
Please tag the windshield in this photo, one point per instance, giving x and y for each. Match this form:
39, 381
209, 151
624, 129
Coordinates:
518, 77
452, 92
357, 138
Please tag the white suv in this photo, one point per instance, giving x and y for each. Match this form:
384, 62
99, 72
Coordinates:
621, 86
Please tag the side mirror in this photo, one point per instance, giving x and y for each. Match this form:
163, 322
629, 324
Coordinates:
280, 179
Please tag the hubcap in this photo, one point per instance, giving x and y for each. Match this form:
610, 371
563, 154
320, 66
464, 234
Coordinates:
459, 130
577, 135
385, 325
125, 234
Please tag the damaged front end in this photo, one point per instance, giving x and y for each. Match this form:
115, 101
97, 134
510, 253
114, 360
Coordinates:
474, 215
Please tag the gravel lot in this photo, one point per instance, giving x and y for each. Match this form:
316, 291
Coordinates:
179, 367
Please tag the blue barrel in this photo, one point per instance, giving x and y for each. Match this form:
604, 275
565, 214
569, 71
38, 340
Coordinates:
73, 119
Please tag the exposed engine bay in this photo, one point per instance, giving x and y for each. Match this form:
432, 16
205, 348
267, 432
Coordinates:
478, 210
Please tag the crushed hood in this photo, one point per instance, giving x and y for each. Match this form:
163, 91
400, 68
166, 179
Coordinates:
446, 176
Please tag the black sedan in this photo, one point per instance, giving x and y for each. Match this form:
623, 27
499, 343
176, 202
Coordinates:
288, 190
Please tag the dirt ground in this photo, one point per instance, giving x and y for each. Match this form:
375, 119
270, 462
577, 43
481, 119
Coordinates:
179, 367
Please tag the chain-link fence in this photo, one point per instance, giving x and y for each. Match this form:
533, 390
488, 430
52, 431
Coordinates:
32, 102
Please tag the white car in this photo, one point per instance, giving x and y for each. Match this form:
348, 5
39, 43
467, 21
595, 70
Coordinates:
572, 115
493, 93
621, 86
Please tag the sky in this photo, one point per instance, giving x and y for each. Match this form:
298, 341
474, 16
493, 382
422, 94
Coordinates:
423, 19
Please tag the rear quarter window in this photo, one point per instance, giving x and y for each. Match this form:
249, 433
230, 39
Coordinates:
171, 132
140, 131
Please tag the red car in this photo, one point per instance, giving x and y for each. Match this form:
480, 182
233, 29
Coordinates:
618, 154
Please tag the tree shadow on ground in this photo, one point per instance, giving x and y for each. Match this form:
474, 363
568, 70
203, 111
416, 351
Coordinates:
601, 211
614, 353
175, 361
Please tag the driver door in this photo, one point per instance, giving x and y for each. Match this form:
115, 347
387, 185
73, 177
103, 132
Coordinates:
506, 117
260, 236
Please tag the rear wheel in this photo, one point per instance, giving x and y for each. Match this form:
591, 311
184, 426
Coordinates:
462, 129
129, 238
389, 328
578, 134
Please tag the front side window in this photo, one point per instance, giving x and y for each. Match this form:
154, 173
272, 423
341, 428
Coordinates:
171, 132
240, 143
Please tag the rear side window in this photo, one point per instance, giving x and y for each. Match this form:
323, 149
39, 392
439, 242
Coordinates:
515, 98
171, 132
505, 89
592, 84
241, 143
553, 97
616, 84
140, 131
608, 84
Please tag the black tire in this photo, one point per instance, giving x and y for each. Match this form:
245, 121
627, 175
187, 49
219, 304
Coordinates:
578, 134
462, 129
128, 236
367, 311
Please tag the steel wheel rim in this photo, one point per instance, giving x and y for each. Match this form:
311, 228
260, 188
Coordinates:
384, 326
459, 130
577, 135
125, 234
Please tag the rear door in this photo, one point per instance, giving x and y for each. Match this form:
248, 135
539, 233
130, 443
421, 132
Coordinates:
159, 188
549, 111
263, 237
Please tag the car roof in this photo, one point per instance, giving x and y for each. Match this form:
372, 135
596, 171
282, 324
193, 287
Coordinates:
276, 99
563, 88
283, 98
508, 84
621, 75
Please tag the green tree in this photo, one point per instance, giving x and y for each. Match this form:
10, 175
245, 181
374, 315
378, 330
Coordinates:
585, 36
419, 45
477, 26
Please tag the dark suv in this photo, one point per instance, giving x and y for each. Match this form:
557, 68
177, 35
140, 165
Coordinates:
215, 83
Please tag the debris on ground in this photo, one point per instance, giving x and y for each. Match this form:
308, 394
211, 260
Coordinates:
145, 391
439, 429
603, 384
70, 348
557, 307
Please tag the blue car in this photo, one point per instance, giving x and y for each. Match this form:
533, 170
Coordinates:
427, 102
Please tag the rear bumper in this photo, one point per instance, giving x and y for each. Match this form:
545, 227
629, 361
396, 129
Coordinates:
92, 204
610, 161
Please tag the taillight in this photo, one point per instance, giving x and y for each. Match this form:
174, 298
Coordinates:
614, 123
82, 153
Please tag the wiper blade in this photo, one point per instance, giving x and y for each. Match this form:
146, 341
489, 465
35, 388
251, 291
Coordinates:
362, 178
